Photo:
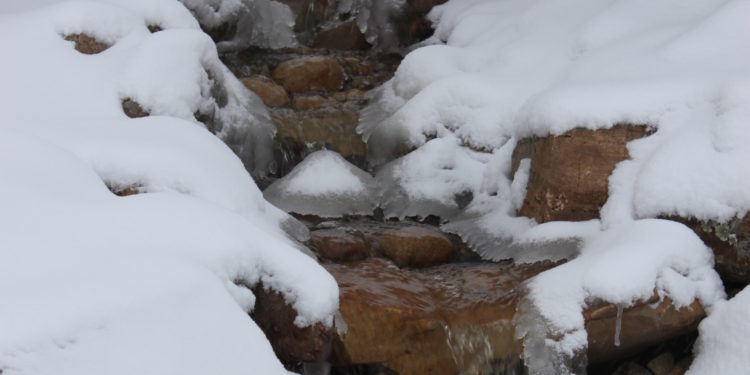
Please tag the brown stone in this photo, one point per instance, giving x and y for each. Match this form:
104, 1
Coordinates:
290, 342
569, 173
86, 44
126, 191
133, 109
730, 243
427, 321
345, 36
308, 102
415, 246
642, 325
631, 368
311, 73
338, 245
269, 91
661, 364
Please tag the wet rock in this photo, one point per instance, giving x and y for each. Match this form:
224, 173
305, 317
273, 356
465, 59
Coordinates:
730, 242
415, 246
338, 245
290, 342
301, 133
681, 367
133, 109
645, 324
661, 364
310, 73
308, 102
154, 28
87, 44
569, 173
439, 320
272, 94
345, 36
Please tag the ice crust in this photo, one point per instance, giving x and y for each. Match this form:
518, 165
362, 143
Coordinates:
325, 185
96, 283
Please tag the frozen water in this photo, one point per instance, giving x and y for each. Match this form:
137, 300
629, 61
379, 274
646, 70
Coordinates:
325, 185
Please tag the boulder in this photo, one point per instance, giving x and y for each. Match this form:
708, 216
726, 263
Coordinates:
308, 102
272, 94
86, 44
569, 172
290, 343
414, 246
338, 245
310, 73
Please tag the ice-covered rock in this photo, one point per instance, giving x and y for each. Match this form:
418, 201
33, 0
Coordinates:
325, 185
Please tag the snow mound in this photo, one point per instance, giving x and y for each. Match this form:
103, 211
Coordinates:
722, 346
325, 185
96, 283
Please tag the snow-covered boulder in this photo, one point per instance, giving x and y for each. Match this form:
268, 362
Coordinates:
325, 185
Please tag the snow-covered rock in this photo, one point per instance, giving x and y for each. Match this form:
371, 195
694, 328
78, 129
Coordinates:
325, 185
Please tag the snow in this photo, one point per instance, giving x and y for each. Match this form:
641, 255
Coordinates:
149, 283
325, 185
496, 72
722, 346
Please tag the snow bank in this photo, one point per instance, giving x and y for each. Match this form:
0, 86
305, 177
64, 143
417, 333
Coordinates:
499, 71
96, 283
325, 185
722, 346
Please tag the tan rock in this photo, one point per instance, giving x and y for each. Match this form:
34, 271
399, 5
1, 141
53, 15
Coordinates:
87, 44
570, 172
272, 94
338, 245
308, 102
311, 73
415, 246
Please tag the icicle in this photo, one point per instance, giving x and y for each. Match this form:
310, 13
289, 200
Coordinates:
618, 325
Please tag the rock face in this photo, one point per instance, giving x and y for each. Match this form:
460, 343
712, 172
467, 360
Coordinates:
86, 44
271, 93
290, 343
458, 318
569, 173
312, 73
730, 243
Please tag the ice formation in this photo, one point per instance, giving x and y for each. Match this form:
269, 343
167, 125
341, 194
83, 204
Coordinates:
501, 71
325, 185
96, 283
259, 23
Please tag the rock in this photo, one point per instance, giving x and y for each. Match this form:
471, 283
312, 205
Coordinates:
569, 173
631, 368
338, 245
269, 91
290, 343
132, 109
154, 28
661, 364
300, 133
681, 367
730, 243
458, 317
308, 102
427, 321
415, 246
642, 326
345, 36
86, 44
311, 73
126, 191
